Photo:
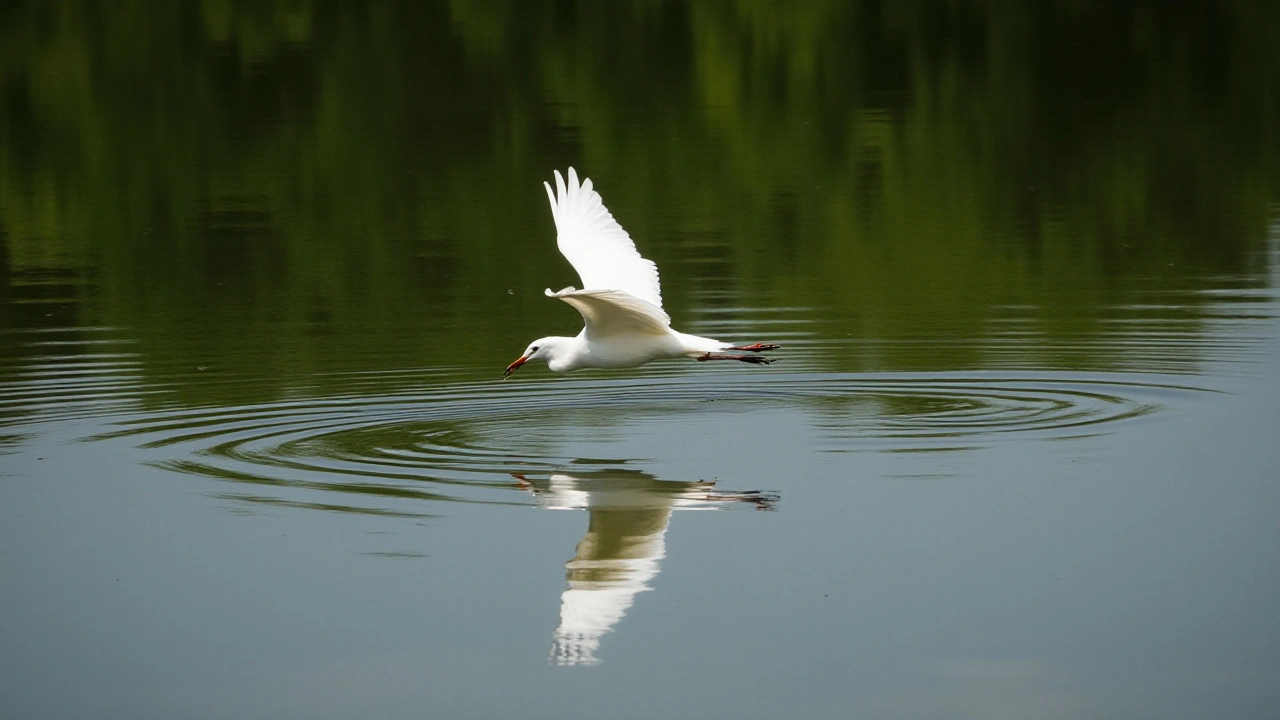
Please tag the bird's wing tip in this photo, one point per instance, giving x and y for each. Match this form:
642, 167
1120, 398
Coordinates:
564, 291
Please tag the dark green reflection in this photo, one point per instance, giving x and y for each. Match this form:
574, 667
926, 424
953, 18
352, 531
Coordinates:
279, 189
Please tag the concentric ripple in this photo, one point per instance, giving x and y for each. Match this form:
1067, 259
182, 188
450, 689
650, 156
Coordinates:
381, 442
461, 441
947, 413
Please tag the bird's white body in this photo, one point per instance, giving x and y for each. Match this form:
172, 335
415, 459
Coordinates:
621, 297
620, 351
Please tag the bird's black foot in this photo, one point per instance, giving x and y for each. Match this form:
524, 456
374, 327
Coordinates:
753, 359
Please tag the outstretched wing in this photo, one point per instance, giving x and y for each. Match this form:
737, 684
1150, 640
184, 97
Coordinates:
596, 245
613, 312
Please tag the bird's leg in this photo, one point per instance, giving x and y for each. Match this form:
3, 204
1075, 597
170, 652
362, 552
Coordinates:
757, 347
756, 359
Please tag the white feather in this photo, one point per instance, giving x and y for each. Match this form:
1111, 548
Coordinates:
596, 245
614, 312
621, 300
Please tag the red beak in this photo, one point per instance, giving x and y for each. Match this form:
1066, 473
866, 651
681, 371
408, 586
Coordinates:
514, 366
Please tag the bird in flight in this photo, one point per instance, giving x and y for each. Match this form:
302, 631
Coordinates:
620, 300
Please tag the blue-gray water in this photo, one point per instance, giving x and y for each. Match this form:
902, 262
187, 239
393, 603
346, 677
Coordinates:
261, 269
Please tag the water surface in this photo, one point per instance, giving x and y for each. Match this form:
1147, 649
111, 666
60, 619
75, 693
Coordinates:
261, 269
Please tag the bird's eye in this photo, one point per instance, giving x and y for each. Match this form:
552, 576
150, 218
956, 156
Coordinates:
533, 349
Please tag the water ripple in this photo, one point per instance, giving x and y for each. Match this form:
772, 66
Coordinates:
363, 440
461, 440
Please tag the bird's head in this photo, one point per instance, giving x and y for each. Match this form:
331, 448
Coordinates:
541, 349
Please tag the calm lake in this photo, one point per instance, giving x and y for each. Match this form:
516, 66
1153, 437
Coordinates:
262, 266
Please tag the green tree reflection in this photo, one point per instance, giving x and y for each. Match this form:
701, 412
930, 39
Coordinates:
295, 186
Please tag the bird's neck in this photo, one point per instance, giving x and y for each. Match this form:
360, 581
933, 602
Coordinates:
569, 353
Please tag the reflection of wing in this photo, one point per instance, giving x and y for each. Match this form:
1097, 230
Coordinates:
614, 562
622, 549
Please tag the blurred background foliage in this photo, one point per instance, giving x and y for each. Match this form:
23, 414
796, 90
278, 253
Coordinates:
287, 187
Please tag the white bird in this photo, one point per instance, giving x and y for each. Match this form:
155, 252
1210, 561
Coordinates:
620, 300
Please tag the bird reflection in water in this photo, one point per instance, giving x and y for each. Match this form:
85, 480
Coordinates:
623, 545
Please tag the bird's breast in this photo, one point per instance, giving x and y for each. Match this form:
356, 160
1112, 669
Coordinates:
623, 351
